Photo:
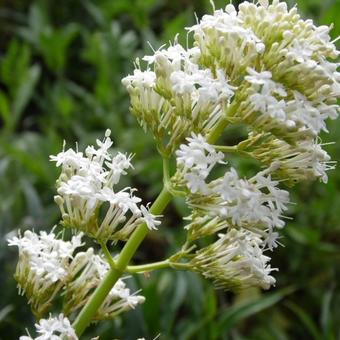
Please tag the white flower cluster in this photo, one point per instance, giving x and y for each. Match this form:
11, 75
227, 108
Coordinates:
261, 65
43, 266
294, 46
247, 209
253, 202
53, 328
225, 41
286, 113
235, 261
305, 160
198, 158
48, 265
178, 96
273, 37
86, 185
286, 75
89, 270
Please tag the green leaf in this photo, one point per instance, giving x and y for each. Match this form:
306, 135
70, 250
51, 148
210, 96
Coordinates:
4, 108
34, 205
326, 317
5, 311
237, 313
305, 319
14, 65
54, 44
25, 91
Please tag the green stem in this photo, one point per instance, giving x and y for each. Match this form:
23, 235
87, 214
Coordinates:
156, 265
85, 316
217, 131
148, 267
167, 180
108, 255
231, 149
222, 124
226, 149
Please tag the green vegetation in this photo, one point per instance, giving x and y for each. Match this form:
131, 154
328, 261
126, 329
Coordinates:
60, 69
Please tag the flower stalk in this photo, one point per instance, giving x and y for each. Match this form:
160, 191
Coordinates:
85, 316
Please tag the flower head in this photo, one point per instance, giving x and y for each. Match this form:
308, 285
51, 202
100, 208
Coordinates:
182, 98
53, 328
86, 189
43, 266
197, 158
235, 261
246, 210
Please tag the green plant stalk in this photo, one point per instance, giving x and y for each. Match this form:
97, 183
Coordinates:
108, 255
86, 314
144, 268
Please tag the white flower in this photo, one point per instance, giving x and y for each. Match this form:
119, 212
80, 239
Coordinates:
271, 240
254, 202
175, 53
53, 328
117, 167
68, 158
235, 261
182, 82
140, 79
197, 158
267, 96
150, 219
225, 41
301, 51
86, 183
185, 96
306, 160
258, 78
43, 265
196, 182
310, 115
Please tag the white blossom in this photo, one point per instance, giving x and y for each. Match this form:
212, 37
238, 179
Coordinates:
235, 261
223, 39
197, 157
53, 328
256, 202
87, 182
306, 160
184, 97
150, 219
140, 79
43, 265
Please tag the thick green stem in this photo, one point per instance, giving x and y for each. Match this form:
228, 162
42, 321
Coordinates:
85, 316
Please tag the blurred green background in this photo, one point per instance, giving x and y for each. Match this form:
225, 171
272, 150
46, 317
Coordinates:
61, 63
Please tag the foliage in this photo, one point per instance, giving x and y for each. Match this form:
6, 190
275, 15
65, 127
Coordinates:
60, 71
